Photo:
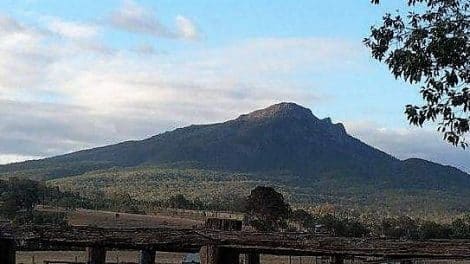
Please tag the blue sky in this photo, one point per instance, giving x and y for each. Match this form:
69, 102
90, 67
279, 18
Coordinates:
78, 74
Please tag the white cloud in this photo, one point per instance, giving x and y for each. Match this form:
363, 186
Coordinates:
8, 24
286, 55
134, 18
145, 49
411, 142
75, 36
73, 30
34, 60
186, 28
10, 158
24, 57
206, 79
45, 129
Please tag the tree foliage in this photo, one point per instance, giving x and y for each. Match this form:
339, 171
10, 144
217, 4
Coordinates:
431, 47
18, 195
267, 209
346, 227
18, 198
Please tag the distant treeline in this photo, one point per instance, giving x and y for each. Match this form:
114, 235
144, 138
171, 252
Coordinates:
402, 227
19, 197
269, 209
266, 210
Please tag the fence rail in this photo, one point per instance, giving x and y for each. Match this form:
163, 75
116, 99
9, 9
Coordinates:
223, 247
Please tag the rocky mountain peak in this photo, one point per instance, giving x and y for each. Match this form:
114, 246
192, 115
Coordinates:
280, 110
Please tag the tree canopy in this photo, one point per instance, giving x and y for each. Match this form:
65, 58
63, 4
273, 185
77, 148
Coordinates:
430, 47
18, 194
267, 208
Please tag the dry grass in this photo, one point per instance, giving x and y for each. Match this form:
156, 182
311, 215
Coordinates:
113, 219
133, 256
111, 256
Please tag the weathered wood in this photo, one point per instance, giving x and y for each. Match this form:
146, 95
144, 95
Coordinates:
212, 254
147, 256
338, 259
96, 255
223, 224
252, 258
228, 256
209, 254
191, 240
406, 261
7, 251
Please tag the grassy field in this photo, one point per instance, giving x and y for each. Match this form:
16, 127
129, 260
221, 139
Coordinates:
161, 217
112, 219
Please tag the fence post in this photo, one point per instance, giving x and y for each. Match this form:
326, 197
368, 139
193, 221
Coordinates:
212, 254
252, 258
7, 251
147, 256
338, 259
96, 255
209, 254
229, 256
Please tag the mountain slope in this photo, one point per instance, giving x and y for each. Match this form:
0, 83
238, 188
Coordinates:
284, 142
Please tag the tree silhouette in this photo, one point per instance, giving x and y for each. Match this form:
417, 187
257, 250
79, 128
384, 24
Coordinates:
267, 209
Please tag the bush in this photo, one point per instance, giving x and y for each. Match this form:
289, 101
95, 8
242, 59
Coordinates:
460, 228
343, 227
430, 230
401, 227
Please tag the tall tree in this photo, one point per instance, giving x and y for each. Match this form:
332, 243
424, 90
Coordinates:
431, 47
267, 208
19, 195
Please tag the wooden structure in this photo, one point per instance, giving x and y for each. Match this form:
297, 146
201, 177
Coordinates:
223, 224
219, 247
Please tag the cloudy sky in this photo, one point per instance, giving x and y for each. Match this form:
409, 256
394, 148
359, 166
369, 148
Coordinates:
79, 73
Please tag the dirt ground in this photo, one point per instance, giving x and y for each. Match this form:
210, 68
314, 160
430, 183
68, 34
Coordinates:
80, 256
133, 256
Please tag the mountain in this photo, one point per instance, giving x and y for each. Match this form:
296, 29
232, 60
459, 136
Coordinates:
284, 144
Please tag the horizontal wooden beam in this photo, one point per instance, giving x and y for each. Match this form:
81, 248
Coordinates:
191, 240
